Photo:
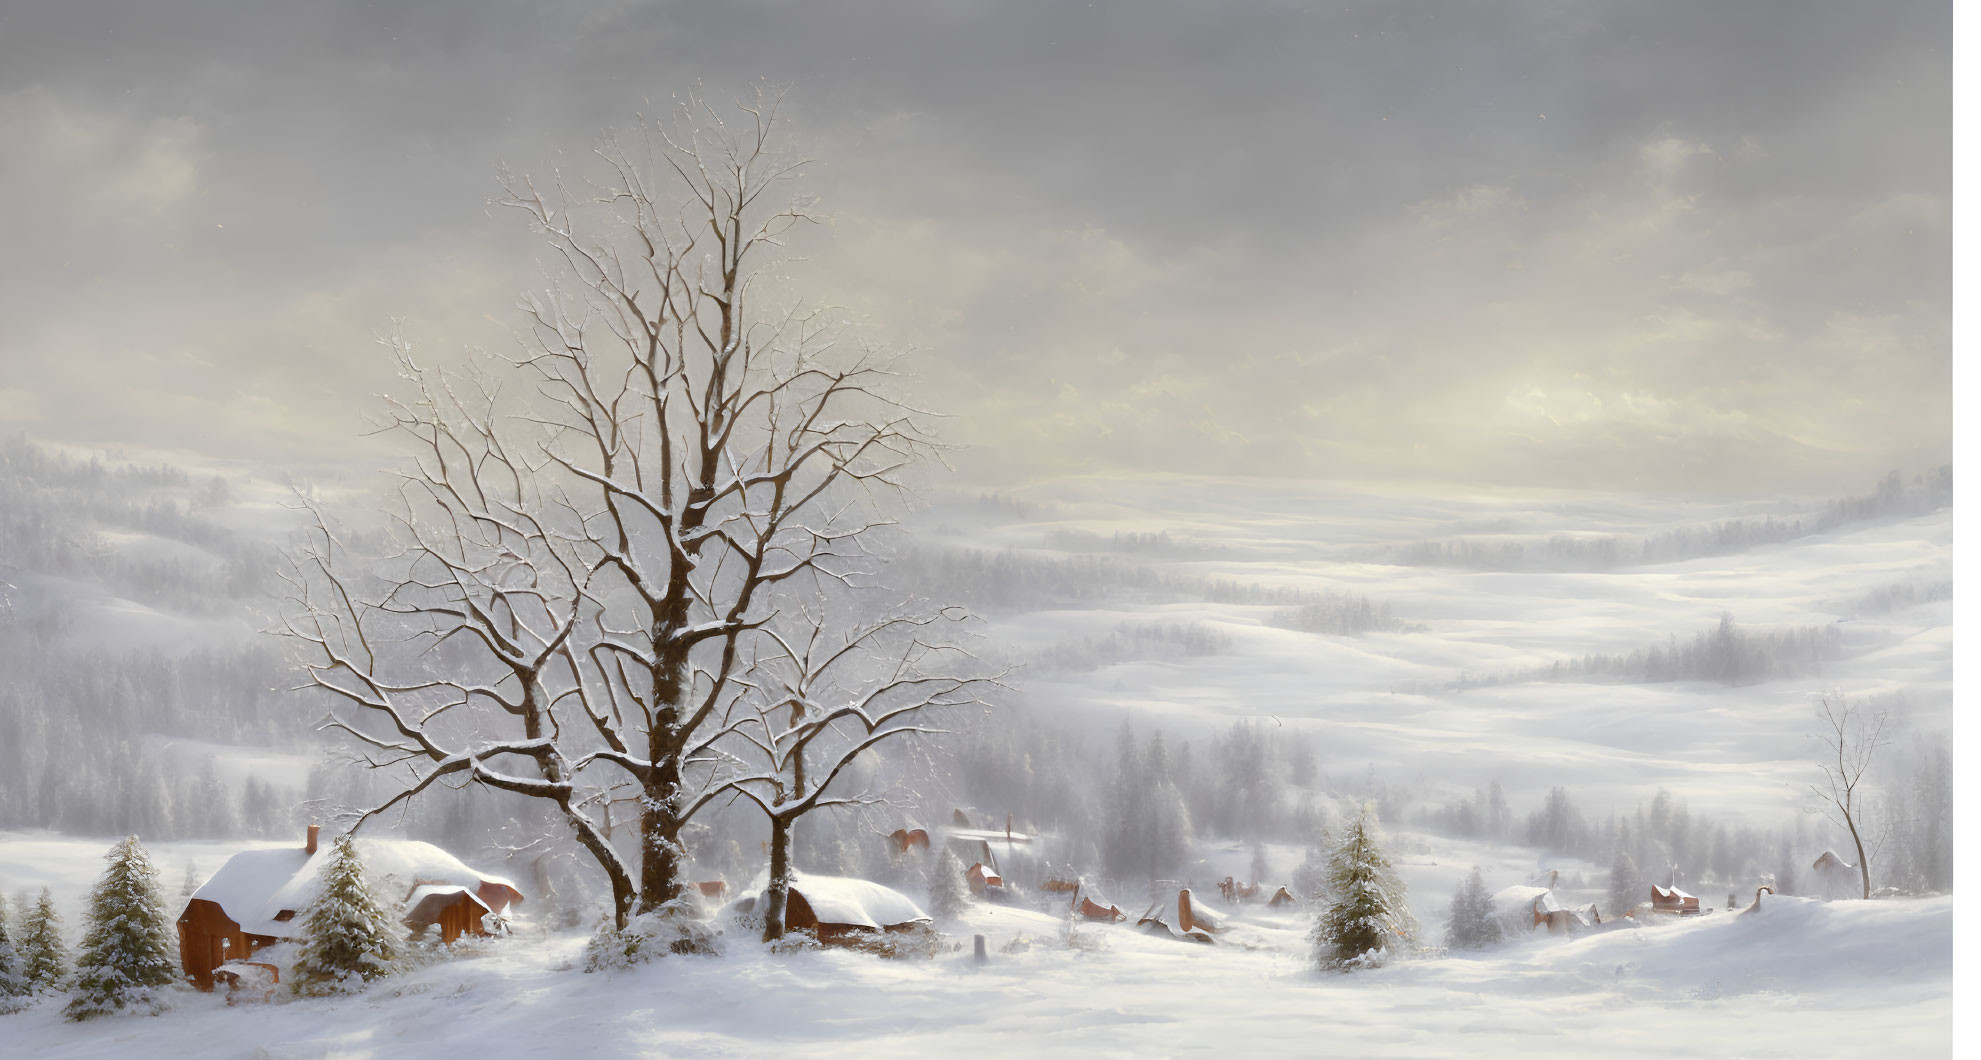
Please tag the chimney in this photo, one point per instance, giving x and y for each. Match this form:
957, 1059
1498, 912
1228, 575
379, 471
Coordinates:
1007, 828
309, 845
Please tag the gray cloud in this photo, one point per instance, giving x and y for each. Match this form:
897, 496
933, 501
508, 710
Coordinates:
1682, 246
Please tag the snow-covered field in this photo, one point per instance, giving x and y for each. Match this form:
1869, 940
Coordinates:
1385, 699
1796, 978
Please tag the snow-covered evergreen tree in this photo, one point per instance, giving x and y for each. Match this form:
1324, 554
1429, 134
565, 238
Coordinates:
1125, 809
1169, 828
127, 955
1627, 886
1367, 919
949, 894
1310, 877
349, 938
13, 978
44, 956
1472, 925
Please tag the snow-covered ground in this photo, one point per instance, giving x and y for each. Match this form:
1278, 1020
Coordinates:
1387, 699
1799, 978
1794, 979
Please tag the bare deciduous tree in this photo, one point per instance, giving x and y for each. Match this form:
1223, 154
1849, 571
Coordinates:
597, 530
826, 694
1851, 737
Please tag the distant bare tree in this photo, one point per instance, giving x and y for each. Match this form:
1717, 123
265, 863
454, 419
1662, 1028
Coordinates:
597, 530
1850, 737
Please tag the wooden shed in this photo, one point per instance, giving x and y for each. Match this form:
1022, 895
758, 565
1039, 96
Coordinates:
257, 898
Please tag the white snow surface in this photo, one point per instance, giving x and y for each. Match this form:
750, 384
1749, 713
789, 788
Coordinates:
1799, 978
1795, 979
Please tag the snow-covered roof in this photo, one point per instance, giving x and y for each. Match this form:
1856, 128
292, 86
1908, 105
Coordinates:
256, 886
846, 900
1525, 898
1828, 860
447, 893
1670, 893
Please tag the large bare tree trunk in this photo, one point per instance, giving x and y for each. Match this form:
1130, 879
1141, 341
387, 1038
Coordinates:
777, 896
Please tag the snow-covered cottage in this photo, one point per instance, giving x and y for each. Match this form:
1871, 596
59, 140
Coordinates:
840, 910
1525, 907
257, 898
1674, 901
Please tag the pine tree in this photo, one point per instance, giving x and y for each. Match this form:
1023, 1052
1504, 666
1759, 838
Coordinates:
949, 895
1125, 848
127, 957
13, 977
1166, 844
1367, 919
349, 938
44, 957
1626, 885
1473, 924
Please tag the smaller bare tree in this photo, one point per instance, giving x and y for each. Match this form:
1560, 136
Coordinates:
824, 694
1851, 737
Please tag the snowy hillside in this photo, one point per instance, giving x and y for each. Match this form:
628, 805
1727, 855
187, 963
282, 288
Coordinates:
1798, 978
1461, 692
1181, 610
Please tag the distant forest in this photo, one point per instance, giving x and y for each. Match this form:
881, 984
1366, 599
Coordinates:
1009, 581
74, 709
1894, 498
54, 510
1726, 653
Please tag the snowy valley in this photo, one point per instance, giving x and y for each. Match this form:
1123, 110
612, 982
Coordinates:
1071, 587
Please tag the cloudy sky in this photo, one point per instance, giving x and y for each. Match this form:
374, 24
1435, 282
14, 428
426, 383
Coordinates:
1673, 246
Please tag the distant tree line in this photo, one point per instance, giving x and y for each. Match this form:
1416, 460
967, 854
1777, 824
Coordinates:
1156, 543
1896, 596
1726, 653
1341, 614
1132, 812
1009, 581
54, 510
1130, 642
1665, 843
1894, 498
